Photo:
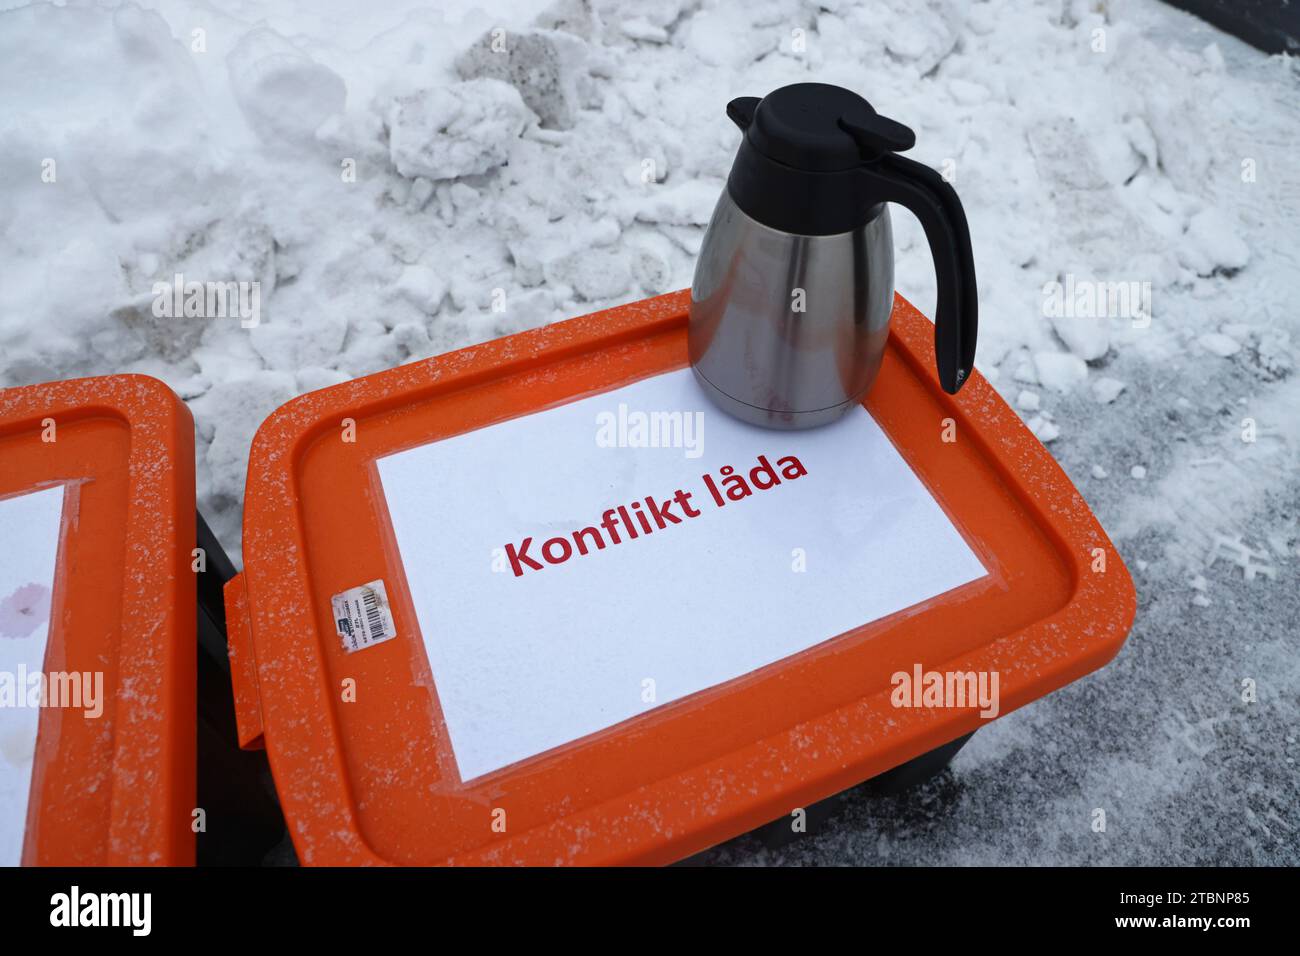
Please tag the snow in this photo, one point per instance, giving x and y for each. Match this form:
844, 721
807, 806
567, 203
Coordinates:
1106, 389
545, 66
460, 130
1060, 371
1044, 429
284, 95
1212, 243
1028, 400
1221, 345
1088, 339
386, 178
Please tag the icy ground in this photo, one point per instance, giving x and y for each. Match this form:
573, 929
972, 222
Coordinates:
215, 140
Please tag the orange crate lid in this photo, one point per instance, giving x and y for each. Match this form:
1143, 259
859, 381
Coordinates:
117, 789
371, 777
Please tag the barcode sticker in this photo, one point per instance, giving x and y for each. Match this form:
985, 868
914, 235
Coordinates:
362, 617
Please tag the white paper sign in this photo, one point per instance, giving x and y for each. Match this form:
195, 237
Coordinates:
535, 643
27, 558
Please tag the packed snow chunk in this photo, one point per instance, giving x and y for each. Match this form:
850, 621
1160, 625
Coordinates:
621, 20
718, 37
422, 287
1213, 57
1086, 336
459, 130
74, 327
92, 101
571, 16
685, 204
1138, 472
1142, 140
641, 29
1024, 371
1211, 244
652, 262
1060, 371
1027, 400
968, 93
1099, 472
925, 37
1274, 356
545, 66
291, 344
284, 94
1105, 389
1044, 429
1224, 346
593, 274
235, 408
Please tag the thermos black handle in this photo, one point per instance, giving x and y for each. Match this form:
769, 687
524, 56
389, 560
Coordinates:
893, 178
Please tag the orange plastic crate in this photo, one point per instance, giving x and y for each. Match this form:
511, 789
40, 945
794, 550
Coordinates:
374, 780
118, 789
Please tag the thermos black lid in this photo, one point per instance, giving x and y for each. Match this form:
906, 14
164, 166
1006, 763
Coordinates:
803, 149
816, 127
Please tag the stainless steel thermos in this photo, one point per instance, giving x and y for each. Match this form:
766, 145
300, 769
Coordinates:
795, 280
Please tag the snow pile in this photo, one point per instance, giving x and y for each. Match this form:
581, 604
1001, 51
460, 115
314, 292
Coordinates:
383, 177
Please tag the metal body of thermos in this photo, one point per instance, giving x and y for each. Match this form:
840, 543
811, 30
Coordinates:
788, 330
